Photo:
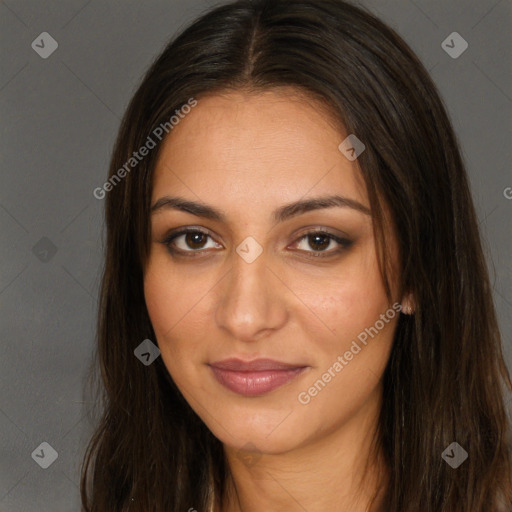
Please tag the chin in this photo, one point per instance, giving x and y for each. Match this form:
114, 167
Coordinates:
261, 432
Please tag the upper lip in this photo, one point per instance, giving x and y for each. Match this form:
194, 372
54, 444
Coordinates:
237, 365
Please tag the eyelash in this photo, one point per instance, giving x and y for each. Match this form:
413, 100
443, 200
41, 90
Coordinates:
343, 242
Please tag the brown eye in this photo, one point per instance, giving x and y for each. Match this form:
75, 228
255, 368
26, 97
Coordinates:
188, 241
320, 242
195, 240
192, 242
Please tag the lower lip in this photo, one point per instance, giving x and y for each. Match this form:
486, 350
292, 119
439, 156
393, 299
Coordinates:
255, 383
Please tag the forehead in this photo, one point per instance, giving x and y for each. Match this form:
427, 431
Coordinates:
269, 147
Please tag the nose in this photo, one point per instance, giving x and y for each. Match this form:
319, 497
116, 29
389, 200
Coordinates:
252, 300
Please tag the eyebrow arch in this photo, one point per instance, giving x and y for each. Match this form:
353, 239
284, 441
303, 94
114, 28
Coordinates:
279, 215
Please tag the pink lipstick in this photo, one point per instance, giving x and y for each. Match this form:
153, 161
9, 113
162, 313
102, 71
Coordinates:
256, 377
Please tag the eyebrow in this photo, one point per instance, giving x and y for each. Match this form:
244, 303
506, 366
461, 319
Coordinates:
279, 215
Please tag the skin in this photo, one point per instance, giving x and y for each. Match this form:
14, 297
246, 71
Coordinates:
248, 154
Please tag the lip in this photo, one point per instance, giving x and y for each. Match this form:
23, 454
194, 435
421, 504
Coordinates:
253, 378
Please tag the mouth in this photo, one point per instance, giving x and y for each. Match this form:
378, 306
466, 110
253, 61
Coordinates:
254, 378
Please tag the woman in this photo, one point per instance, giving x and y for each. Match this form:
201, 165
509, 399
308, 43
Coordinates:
289, 221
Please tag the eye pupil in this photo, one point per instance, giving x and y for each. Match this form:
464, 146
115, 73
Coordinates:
193, 239
313, 240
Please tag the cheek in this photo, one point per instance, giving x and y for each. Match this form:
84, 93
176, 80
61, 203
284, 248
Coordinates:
349, 300
351, 358
346, 324
159, 301
177, 306
172, 298
167, 309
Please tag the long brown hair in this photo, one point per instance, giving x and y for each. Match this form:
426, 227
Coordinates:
446, 379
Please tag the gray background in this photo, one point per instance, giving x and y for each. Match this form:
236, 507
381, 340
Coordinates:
60, 116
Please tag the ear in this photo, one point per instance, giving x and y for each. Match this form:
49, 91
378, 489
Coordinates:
408, 304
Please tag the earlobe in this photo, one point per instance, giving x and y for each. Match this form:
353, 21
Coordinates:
408, 304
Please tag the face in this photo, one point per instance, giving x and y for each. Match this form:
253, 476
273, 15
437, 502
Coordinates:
257, 278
